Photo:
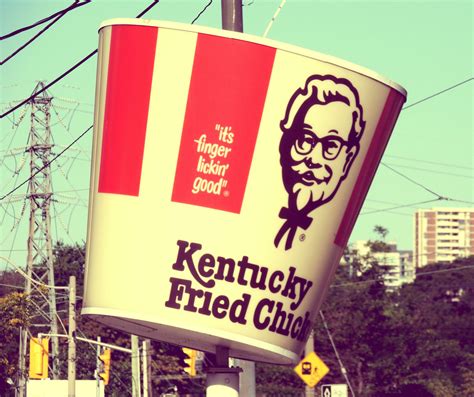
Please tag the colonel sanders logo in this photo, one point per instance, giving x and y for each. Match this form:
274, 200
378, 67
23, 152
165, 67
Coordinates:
321, 129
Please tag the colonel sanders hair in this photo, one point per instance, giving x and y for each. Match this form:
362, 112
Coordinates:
321, 90
318, 90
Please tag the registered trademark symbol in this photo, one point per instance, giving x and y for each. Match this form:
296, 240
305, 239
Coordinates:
302, 237
226, 193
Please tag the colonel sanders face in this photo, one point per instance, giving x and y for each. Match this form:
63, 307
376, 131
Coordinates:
321, 155
322, 128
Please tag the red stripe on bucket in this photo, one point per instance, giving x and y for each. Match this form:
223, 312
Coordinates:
227, 94
130, 73
369, 167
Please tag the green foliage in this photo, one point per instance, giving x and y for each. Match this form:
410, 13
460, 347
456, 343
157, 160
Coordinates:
421, 335
15, 313
415, 341
277, 381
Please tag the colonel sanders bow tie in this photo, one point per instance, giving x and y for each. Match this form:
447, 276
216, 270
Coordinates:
294, 220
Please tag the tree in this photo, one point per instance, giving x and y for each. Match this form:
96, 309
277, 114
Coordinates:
380, 244
15, 313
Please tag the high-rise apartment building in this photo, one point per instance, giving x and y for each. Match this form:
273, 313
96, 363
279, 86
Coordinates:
443, 235
398, 265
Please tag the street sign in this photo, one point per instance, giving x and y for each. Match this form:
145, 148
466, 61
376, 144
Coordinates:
334, 390
311, 369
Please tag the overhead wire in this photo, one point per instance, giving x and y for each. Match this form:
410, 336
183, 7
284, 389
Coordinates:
20, 270
400, 206
201, 12
68, 71
420, 274
46, 87
275, 16
438, 93
417, 160
411, 180
439, 196
48, 26
338, 357
46, 165
430, 171
384, 210
41, 21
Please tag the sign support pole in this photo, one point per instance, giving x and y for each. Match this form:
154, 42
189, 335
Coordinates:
136, 392
222, 380
97, 365
71, 358
309, 391
232, 15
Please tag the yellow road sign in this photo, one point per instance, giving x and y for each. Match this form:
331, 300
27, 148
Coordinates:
311, 369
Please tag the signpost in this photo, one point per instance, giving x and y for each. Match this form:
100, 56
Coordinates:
339, 390
311, 369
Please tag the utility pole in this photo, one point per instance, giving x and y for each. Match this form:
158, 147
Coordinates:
136, 392
232, 15
71, 356
97, 365
221, 380
247, 379
40, 248
146, 354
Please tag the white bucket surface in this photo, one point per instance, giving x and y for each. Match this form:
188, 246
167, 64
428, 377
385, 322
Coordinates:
228, 172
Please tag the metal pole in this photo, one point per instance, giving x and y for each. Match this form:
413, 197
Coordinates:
232, 15
247, 379
71, 357
20, 390
145, 368
309, 347
97, 365
135, 367
222, 380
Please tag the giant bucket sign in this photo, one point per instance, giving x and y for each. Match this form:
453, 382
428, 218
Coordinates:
228, 171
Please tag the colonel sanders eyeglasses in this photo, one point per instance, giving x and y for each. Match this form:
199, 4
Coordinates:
331, 145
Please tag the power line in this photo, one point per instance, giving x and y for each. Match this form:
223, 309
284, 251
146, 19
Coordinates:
384, 202
47, 86
439, 197
401, 206
20, 270
202, 12
452, 269
431, 171
71, 69
438, 93
341, 365
63, 13
411, 180
390, 212
429, 162
76, 4
46, 165
274, 18
11, 286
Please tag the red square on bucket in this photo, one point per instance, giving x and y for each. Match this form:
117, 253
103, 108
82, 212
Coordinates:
221, 123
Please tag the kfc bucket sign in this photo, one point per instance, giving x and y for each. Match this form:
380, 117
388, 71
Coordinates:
228, 173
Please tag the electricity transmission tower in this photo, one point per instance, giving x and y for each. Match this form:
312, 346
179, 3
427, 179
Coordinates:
40, 248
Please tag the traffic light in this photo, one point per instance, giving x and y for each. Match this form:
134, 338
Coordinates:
39, 349
191, 361
105, 359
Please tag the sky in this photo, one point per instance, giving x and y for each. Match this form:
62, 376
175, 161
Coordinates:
425, 46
